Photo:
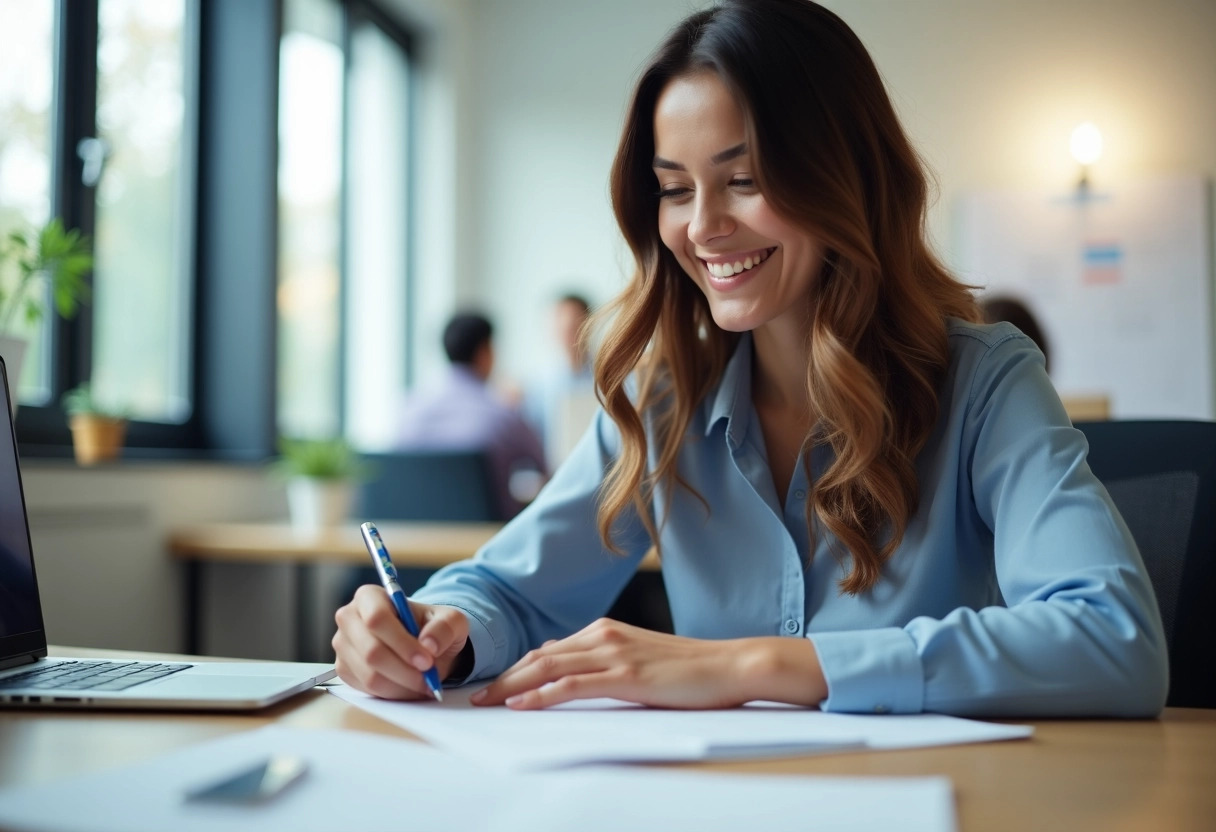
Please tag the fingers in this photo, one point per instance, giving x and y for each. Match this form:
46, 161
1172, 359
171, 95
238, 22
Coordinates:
360, 669
537, 668
577, 667
374, 652
444, 629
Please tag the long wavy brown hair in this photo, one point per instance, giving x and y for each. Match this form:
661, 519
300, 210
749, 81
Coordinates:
833, 158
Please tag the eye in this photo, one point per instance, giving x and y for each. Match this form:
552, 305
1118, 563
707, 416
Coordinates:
742, 182
672, 192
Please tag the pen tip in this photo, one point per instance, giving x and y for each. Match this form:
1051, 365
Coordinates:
438, 695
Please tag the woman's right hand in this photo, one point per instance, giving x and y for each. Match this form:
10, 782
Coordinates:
376, 654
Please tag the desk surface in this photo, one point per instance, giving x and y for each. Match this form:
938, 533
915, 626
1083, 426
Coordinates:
1074, 775
427, 545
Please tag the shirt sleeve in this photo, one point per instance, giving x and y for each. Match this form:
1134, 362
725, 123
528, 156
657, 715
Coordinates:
1080, 633
547, 574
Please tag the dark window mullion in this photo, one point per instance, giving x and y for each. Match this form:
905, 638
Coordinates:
75, 111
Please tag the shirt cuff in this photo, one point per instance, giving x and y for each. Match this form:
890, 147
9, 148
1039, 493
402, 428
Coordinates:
871, 671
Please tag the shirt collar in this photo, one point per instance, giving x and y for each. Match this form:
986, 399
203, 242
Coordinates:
732, 400
463, 374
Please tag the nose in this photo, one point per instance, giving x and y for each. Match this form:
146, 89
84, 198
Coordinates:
711, 218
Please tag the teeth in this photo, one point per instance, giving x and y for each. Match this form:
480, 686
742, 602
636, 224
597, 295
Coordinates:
738, 267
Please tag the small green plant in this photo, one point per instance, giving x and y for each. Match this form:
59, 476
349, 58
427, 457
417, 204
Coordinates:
54, 254
80, 401
325, 459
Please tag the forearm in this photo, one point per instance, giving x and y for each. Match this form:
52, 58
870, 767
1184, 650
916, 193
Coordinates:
778, 669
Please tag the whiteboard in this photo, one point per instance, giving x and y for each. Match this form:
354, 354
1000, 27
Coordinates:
1120, 281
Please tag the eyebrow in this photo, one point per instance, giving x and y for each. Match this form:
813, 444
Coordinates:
717, 159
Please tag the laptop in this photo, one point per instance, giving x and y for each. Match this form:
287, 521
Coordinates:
29, 679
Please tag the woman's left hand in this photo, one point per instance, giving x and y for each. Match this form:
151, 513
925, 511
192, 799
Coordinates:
611, 659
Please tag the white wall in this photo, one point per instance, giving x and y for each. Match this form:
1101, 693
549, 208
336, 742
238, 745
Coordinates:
989, 91
103, 572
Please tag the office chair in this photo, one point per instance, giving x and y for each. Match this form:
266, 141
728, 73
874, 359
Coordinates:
1162, 477
442, 486
438, 486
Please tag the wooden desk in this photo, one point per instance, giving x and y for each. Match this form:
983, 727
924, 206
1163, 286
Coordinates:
413, 545
1072, 775
417, 545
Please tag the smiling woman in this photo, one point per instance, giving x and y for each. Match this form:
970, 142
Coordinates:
864, 500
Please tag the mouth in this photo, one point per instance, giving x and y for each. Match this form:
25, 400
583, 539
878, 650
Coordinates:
726, 267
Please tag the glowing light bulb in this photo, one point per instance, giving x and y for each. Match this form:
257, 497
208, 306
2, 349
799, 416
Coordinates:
1086, 143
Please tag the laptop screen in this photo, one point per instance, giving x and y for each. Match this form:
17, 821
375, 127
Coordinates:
20, 612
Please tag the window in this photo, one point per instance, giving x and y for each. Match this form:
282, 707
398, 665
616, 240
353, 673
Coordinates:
243, 170
343, 220
26, 88
141, 281
103, 98
310, 218
377, 225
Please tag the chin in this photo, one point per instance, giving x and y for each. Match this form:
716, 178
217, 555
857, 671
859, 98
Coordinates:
735, 320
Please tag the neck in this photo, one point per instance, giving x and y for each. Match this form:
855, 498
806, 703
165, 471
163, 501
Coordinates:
780, 356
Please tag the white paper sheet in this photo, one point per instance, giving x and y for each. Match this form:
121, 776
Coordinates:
607, 730
367, 782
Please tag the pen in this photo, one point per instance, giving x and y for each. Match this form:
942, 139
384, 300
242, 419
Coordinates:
388, 577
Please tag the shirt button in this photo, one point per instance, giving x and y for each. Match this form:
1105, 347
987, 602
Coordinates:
800, 494
881, 709
791, 626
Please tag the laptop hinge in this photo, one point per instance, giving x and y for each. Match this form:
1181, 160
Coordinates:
5, 664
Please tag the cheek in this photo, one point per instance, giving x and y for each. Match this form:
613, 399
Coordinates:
670, 231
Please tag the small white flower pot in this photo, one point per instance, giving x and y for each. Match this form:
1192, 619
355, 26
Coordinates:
316, 504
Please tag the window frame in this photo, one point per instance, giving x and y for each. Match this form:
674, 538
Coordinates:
43, 429
230, 146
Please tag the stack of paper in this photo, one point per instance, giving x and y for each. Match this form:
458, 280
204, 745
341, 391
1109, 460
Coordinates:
364, 781
608, 730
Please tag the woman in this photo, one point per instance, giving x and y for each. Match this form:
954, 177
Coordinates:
863, 500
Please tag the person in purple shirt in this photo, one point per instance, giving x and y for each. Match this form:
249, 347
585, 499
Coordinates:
461, 413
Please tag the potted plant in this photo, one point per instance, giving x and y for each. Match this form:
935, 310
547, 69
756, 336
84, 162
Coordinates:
97, 431
320, 476
51, 255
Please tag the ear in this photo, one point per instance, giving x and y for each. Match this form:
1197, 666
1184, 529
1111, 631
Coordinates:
483, 360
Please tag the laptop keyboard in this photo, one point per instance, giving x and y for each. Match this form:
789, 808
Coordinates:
90, 675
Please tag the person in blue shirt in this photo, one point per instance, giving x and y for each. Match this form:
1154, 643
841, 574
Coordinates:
549, 398
864, 500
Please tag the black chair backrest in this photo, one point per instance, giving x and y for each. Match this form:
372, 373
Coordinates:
448, 486
1162, 477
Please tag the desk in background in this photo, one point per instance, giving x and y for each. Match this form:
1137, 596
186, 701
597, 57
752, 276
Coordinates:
413, 545
1078, 775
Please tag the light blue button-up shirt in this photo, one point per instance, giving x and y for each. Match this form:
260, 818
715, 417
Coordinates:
1017, 589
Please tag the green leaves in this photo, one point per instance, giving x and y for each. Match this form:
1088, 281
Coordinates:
61, 257
329, 459
79, 400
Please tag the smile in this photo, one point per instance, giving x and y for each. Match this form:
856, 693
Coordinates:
725, 267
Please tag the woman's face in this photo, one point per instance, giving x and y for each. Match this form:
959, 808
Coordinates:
754, 267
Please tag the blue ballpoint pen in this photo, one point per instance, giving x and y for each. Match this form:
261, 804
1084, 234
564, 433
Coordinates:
388, 577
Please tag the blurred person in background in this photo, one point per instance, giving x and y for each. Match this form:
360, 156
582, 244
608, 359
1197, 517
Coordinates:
548, 399
461, 412
1010, 309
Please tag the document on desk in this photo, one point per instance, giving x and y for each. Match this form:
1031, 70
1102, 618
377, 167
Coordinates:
357, 780
608, 730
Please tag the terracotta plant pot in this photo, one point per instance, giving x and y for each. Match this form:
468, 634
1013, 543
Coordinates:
97, 438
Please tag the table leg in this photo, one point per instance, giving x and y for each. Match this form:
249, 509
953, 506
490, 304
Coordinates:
193, 606
305, 612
